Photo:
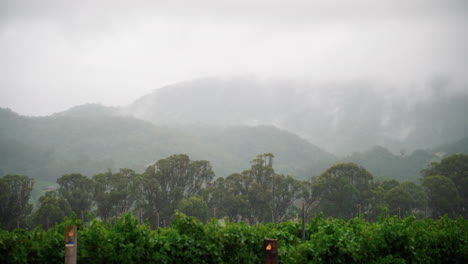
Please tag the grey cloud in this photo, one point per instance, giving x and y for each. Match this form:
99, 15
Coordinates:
276, 9
113, 51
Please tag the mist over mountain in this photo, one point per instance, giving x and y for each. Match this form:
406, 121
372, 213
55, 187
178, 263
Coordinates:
339, 117
90, 111
393, 133
91, 138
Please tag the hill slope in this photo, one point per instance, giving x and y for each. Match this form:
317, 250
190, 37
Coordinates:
459, 146
405, 166
91, 139
340, 117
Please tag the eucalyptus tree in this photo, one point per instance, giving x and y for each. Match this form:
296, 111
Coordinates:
168, 181
114, 193
260, 194
443, 196
285, 191
78, 190
195, 206
230, 197
15, 192
53, 208
344, 190
257, 194
455, 168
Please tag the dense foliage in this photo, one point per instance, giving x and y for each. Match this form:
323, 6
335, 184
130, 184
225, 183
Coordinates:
384, 164
252, 205
255, 195
91, 139
187, 240
450, 173
14, 200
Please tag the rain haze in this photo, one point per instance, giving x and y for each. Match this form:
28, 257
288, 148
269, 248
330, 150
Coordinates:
128, 116
58, 54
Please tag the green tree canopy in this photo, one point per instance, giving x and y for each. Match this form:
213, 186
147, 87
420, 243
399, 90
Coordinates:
399, 201
417, 193
260, 196
256, 195
285, 191
229, 196
78, 190
194, 206
443, 197
53, 208
343, 190
169, 180
454, 167
114, 193
15, 191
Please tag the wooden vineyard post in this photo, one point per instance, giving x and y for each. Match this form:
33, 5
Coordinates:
270, 247
71, 244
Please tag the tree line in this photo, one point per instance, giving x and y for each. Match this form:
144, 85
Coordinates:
258, 194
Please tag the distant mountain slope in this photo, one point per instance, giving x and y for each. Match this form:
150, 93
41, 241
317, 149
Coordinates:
459, 146
90, 139
90, 111
406, 166
340, 117
62, 144
386, 165
240, 144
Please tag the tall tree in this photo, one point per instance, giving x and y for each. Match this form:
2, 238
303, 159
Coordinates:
149, 196
406, 198
78, 190
229, 197
194, 206
343, 190
418, 195
53, 208
257, 194
454, 167
285, 191
377, 201
443, 197
399, 201
15, 191
173, 178
114, 193
260, 195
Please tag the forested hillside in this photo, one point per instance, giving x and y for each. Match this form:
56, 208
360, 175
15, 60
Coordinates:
47, 147
387, 165
404, 166
340, 117
460, 146
91, 139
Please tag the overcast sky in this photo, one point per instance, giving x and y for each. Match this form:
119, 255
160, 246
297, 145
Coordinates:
58, 54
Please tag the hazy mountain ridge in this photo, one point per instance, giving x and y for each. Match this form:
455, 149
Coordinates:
460, 146
230, 121
90, 111
89, 141
340, 117
67, 144
386, 165
47, 147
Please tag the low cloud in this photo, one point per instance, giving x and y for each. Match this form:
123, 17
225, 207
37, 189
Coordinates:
56, 54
